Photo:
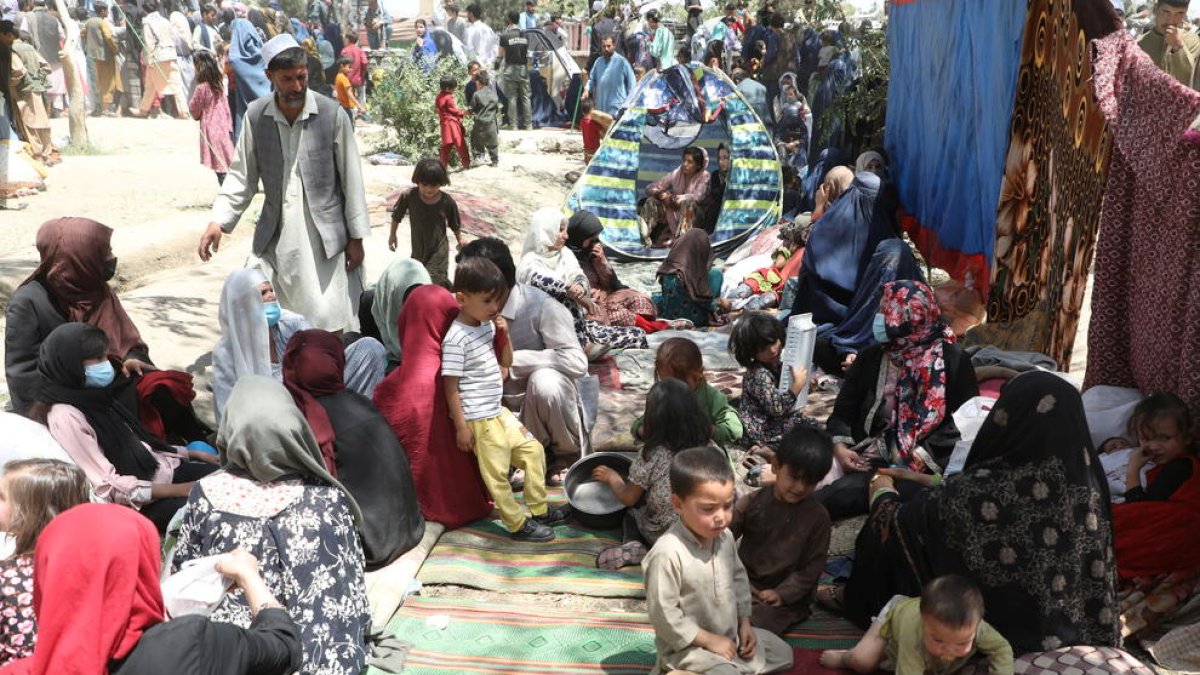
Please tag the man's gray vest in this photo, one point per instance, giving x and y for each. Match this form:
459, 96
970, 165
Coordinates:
319, 176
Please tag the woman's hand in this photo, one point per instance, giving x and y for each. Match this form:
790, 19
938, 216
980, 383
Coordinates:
906, 474
238, 564
202, 456
135, 366
576, 292
850, 460
392, 241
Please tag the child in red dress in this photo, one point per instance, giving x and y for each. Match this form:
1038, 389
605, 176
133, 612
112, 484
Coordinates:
450, 118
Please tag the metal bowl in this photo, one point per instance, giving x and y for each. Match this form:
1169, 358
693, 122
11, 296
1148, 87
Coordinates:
594, 503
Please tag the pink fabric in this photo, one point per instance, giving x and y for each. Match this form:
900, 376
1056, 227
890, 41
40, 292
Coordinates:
70, 428
358, 64
1145, 327
413, 401
696, 189
216, 125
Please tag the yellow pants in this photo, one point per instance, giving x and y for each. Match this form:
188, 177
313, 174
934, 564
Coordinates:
501, 442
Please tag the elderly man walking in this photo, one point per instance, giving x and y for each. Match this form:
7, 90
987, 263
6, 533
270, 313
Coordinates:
309, 236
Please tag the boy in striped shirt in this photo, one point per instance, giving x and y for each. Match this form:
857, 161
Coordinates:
474, 385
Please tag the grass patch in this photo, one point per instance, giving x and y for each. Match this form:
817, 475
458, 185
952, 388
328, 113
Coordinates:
84, 150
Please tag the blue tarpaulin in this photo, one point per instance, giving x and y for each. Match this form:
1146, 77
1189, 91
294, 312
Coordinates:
954, 66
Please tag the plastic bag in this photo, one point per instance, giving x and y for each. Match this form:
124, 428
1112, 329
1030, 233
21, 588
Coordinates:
968, 419
195, 589
1108, 410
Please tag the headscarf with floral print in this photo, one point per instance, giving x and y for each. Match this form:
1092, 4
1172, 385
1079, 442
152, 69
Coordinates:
917, 336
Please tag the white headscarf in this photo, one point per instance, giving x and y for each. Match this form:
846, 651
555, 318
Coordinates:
244, 347
536, 256
864, 159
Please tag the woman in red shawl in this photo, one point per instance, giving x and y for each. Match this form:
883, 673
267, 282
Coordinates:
100, 608
413, 401
71, 285
359, 448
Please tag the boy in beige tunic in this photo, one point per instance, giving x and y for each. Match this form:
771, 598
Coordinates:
696, 588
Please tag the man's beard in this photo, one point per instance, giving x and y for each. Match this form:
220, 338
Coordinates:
292, 100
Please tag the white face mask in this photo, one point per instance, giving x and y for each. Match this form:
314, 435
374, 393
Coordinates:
879, 329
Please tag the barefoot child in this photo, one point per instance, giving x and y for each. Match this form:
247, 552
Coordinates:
32, 492
474, 385
680, 358
697, 592
450, 118
431, 212
784, 532
674, 421
938, 632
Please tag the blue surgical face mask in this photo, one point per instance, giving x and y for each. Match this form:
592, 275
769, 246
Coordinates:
98, 375
879, 330
272, 310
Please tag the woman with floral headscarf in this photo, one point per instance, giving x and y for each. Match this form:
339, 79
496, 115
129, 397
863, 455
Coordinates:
895, 406
1027, 519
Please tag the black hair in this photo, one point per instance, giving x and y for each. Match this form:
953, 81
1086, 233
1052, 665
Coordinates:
1178, 4
739, 74
789, 174
684, 52
1161, 405
494, 250
473, 9
208, 70
448, 83
674, 419
483, 77
205, 9
344, 60
652, 15
777, 20
694, 466
751, 334
7, 28
697, 156
514, 17
953, 600
93, 342
429, 171
288, 59
807, 452
149, 6
479, 275
586, 106
730, 5
452, 9
423, 22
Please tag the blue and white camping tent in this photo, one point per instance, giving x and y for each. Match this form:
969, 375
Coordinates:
669, 110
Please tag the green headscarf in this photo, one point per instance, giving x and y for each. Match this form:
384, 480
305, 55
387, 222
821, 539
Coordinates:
264, 435
400, 275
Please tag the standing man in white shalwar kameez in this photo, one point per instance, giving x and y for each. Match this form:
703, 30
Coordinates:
301, 146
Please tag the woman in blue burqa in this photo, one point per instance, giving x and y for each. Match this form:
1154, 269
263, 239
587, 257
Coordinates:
853, 249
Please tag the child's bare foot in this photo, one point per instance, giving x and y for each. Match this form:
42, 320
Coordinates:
834, 658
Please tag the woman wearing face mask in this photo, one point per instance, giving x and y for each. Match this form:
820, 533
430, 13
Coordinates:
124, 463
254, 334
71, 283
895, 405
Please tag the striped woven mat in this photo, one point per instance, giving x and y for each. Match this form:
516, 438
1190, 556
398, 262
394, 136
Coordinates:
481, 637
482, 555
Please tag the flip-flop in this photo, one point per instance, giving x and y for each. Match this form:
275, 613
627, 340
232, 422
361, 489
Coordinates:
681, 324
616, 557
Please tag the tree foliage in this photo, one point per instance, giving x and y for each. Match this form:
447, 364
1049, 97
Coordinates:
403, 101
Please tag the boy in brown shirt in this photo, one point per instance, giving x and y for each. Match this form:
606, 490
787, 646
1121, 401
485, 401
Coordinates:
785, 532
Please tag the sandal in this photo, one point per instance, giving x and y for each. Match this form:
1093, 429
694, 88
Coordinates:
832, 597
680, 324
517, 479
616, 557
